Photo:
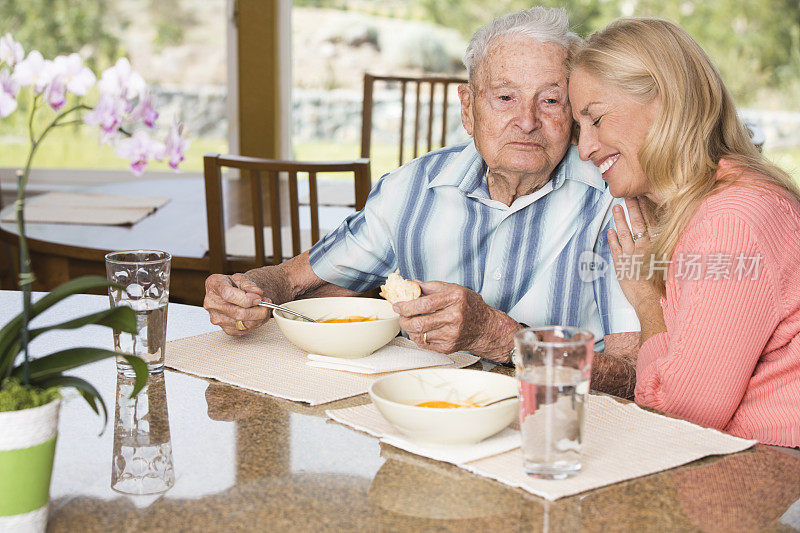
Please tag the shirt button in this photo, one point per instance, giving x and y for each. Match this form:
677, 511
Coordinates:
497, 275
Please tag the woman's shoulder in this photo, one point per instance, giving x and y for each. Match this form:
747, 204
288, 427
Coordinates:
747, 210
753, 199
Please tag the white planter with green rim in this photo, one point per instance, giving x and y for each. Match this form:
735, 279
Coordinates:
27, 448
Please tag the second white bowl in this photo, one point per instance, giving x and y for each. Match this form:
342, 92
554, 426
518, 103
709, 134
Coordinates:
396, 396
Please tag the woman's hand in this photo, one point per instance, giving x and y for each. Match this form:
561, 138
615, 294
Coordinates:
632, 262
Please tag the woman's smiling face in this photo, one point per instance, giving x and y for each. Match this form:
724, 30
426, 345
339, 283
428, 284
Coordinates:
613, 127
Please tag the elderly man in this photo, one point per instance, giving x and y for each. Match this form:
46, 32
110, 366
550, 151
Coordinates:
499, 225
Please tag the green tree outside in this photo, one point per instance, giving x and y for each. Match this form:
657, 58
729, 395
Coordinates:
755, 43
60, 26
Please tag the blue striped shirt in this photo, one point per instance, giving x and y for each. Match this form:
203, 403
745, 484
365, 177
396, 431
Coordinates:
434, 220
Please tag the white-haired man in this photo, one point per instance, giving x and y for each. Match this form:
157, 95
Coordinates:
498, 225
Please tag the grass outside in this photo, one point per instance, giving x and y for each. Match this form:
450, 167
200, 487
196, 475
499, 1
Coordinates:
385, 157
79, 148
788, 159
66, 148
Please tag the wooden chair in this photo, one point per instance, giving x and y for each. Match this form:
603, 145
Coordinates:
9, 279
265, 173
420, 85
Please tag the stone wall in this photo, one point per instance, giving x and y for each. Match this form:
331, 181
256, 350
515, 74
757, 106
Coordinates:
781, 129
319, 115
202, 109
336, 115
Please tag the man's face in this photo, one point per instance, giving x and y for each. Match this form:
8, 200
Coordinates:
517, 108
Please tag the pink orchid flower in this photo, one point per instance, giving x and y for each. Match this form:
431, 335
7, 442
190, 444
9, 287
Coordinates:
68, 74
140, 148
35, 71
176, 145
77, 78
11, 51
145, 111
55, 93
120, 80
109, 113
8, 93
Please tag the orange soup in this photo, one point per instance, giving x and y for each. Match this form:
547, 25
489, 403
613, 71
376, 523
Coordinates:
354, 318
439, 404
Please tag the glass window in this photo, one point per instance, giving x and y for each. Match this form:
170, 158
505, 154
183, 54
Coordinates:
178, 46
755, 46
334, 44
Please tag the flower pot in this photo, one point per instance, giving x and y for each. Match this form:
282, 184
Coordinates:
27, 448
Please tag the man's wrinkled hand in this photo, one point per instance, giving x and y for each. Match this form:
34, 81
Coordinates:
232, 303
449, 318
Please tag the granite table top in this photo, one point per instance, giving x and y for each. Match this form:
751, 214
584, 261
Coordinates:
247, 461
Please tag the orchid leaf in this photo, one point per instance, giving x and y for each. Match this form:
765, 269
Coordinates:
58, 362
89, 393
64, 360
140, 368
73, 286
10, 333
119, 318
6, 366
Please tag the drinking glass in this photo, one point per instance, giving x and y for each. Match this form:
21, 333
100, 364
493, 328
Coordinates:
554, 365
144, 277
142, 460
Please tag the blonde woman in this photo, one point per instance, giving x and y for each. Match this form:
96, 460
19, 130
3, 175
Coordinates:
711, 263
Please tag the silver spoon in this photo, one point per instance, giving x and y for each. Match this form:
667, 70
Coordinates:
287, 310
497, 401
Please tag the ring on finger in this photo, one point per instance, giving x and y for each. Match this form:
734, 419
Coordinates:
240, 325
638, 235
425, 338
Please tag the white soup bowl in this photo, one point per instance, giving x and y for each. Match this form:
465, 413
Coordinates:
396, 396
348, 340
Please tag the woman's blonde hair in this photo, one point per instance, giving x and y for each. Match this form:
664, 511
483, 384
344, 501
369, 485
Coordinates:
696, 125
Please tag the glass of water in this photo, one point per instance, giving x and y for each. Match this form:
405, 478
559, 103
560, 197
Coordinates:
144, 278
554, 365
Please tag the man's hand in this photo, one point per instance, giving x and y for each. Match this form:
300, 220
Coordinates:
448, 318
232, 303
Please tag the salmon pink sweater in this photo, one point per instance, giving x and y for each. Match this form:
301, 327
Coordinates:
730, 358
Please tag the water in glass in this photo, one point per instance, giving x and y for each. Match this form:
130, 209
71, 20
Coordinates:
551, 416
148, 343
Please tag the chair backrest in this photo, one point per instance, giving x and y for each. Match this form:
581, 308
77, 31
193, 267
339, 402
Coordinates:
422, 124
266, 173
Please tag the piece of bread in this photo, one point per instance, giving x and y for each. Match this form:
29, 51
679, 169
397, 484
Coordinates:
396, 289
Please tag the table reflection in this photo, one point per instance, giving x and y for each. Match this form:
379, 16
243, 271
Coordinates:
412, 485
244, 460
142, 454
720, 496
714, 494
298, 438
258, 422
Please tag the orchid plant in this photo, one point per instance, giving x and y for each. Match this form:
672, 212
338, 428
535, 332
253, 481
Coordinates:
123, 111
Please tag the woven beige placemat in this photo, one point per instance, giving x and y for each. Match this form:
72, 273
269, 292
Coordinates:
622, 441
266, 361
84, 208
